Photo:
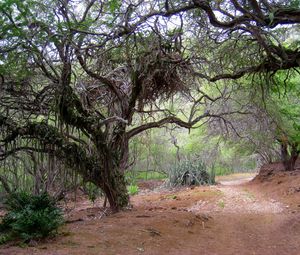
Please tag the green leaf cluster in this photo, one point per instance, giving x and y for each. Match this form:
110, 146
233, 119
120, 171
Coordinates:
30, 216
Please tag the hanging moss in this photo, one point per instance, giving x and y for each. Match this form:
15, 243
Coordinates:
101, 167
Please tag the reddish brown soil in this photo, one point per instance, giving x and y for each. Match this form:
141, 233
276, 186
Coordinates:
284, 186
230, 218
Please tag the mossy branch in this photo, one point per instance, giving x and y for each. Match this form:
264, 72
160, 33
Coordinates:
71, 154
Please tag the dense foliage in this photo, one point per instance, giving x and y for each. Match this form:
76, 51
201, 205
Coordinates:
190, 173
30, 217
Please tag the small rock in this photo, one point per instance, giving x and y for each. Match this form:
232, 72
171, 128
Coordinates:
141, 249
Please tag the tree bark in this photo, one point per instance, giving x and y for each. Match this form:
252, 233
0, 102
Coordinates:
289, 161
115, 190
112, 177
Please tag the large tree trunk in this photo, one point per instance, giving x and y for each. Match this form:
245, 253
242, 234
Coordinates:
114, 187
115, 157
289, 161
112, 178
285, 156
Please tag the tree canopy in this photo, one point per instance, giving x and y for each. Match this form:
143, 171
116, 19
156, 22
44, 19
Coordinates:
79, 79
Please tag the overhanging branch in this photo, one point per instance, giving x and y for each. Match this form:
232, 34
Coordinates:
52, 141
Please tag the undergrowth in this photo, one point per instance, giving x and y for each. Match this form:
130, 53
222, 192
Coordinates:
30, 217
190, 173
133, 189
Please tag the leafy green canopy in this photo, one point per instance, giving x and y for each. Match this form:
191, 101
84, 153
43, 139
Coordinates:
283, 104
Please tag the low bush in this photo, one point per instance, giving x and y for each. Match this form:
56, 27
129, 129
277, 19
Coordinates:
92, 191
190, 173
150, 175
221, 170
133, 176
133, 189
30, 217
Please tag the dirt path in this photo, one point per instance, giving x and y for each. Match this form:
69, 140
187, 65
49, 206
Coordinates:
239, 199
227, 219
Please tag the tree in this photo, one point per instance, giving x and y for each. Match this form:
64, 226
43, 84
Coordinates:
73, 94
75, 77
283, 105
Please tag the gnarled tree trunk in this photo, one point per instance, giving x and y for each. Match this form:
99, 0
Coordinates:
114, 187
289, 159
110, 176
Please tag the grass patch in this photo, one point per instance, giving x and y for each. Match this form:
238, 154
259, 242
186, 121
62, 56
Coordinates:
150, 175
133, 189
221, 170
221, 204
134, 176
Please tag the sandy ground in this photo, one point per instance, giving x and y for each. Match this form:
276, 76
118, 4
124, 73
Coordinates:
234, 217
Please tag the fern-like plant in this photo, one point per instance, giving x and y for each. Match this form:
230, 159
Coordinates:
30, 216
133, 189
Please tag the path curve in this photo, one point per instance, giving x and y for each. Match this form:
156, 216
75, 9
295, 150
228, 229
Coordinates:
236, 197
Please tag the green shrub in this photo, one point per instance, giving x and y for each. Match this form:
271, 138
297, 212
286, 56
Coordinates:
30, 216
150, 175
221, 170
92, 191
189, 173
133, 176
133, 189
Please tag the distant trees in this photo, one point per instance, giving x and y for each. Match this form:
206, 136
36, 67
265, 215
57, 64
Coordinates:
78, 77
284, 107
255, 44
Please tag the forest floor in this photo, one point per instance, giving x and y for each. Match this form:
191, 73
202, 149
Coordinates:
237, 216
